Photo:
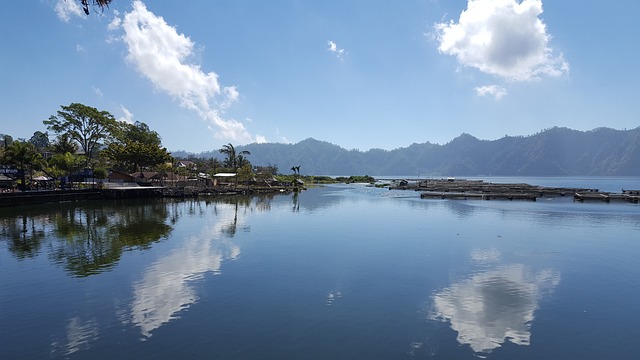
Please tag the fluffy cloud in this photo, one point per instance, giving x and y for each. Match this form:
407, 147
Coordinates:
505, 38
491, 90
67, 8
127, 116
162, 55
333, 47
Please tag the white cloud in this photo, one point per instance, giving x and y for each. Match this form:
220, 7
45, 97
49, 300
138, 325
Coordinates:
80, 48
283, 139
97, 91
260, 139
333, 47
67, 8
115, 23
505, 38
491, 90
127, 116
162, 55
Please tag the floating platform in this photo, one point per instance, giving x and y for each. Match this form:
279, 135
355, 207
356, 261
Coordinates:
481, 190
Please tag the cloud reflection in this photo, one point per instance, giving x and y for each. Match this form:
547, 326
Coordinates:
79, 335
493, 306
166, 286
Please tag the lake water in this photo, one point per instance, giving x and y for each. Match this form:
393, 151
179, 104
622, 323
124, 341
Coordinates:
339, 272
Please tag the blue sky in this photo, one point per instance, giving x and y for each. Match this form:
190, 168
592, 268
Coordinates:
358, 73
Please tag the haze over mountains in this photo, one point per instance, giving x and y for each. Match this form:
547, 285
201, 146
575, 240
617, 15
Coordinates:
552, 152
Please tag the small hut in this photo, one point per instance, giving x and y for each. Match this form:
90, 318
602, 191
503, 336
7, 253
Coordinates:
6, 182
222, 178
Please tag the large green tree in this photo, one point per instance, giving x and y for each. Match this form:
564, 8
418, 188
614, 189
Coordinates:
136, 148
40, 140
84, 124
5, 140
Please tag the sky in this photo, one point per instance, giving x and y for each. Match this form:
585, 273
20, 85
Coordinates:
360, 74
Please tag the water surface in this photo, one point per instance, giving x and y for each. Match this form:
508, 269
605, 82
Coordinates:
341, 272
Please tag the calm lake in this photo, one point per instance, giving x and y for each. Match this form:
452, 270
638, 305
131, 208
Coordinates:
337, 272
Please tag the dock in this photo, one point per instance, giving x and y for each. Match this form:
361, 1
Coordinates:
460, 189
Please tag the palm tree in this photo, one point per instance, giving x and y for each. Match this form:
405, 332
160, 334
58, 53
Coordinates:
234, 160
296, 171
64, 144
100, 3
23, 155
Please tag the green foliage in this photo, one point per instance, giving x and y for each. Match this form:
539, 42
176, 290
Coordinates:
356, 179
86, 125
23, 155
64, 144
245, 173
64, 164
40, 140
135, 147
5, 140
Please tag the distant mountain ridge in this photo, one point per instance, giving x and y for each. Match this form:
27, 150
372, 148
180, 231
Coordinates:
552, 152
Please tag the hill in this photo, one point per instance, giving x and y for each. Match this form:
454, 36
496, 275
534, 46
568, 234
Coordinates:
552, 152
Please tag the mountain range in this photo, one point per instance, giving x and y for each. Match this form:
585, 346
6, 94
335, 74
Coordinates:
552, 152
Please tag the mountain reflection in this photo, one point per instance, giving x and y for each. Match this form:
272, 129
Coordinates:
166, 286
493, 306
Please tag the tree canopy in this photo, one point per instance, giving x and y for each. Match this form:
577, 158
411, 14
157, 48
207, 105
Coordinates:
136, 147
86, 125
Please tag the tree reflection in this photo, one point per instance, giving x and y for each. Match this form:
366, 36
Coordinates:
86, 238
92, 240
296, 201
25, 235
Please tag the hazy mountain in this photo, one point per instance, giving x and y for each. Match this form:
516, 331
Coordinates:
556, 151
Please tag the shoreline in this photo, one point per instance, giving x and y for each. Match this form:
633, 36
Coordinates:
449, 188
57, 196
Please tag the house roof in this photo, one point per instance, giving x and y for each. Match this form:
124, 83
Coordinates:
185, 163
224, 175
145, 175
